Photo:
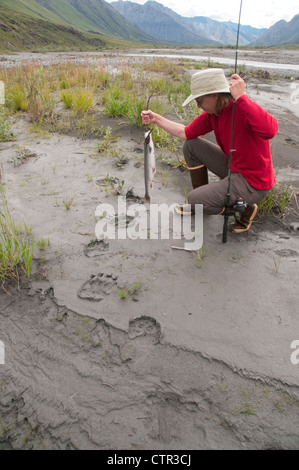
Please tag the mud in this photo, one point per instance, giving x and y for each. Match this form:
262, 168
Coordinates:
196, 355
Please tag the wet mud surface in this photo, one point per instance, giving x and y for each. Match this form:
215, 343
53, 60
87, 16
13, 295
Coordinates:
73, 382
129, 344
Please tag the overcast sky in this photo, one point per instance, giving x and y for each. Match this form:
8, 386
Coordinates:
258, 13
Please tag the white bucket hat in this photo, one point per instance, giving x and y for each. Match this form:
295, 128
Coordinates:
207, 82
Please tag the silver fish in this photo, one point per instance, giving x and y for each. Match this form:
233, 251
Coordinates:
149, 165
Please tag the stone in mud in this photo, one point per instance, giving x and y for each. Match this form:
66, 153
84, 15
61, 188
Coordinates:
97, 287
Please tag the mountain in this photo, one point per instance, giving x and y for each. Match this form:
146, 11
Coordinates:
80, 18
92, 24
281, 33
21, 33
248, 34
212, 28
225, 32
162, 23
93, 15
166, 25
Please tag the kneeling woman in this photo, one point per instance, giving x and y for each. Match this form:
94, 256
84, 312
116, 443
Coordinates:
252, 172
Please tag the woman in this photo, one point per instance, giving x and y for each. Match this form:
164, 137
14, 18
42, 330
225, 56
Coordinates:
252, 173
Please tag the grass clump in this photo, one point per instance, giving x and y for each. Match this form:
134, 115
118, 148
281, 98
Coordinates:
41, 244
80, 100
68, 202
116, 102
278, 201
16, 242
107, 139
123, 293
5, 133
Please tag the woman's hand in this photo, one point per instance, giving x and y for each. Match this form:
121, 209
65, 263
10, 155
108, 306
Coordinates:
237, 86
148, 117
173, 128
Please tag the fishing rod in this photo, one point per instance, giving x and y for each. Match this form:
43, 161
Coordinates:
227, 200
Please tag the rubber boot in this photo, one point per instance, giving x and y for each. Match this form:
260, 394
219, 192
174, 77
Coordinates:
199, 176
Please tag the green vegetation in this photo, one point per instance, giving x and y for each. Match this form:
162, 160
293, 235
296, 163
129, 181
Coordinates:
80, 100
41, 244
68, 202
277, 201
200, 254
86, 92
5, 132
123, 293
16, 242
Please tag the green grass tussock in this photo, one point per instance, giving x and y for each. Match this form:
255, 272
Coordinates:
16, 242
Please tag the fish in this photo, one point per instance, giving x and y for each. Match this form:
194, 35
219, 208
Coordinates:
149, 165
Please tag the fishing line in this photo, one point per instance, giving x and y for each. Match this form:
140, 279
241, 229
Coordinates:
227, 200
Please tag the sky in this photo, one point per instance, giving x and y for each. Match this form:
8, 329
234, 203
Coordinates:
257, 13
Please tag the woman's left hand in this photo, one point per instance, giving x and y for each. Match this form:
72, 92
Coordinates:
237, 86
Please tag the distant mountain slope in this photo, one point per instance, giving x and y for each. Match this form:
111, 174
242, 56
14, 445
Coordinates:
94, 15
85, 15
248, 34
214, 29
162, 23
30, 8
22, 33
281, 33
225, 32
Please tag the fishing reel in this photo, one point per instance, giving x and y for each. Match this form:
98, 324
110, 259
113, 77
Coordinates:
238, 208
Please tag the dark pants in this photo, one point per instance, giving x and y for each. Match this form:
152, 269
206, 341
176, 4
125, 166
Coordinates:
213, 195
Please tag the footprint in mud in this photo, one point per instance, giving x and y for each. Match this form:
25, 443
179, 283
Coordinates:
131, 197
286, 252
96, 248
144, 326
123, 220
291, 141
108, 180
97, 287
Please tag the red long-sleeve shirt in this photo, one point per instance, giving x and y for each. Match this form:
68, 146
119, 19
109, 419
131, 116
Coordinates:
253, 128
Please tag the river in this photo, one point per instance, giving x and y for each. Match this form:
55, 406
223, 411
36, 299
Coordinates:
224, 60
280, 60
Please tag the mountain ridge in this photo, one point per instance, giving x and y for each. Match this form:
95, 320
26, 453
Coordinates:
87, 24
21, 33
225, 32
162, 23
281, 33
197, 30
75, 18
